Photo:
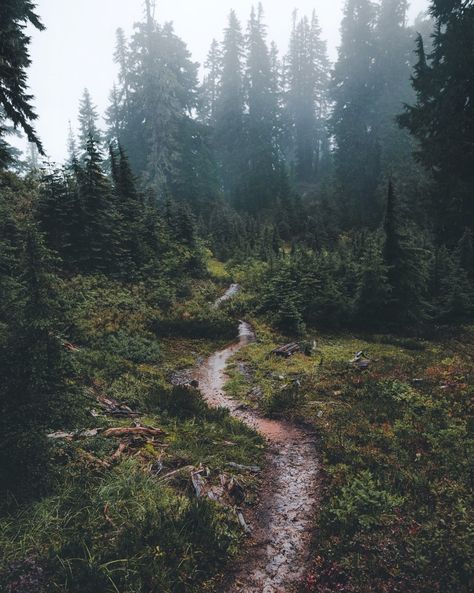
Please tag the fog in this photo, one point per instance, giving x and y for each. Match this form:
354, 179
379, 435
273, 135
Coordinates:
76, 49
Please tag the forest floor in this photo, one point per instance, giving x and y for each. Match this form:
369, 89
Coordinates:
278, 552
350, 480
395, 441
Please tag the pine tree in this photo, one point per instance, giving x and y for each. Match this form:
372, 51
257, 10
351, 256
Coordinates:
407, 258
15, 101
36, 392
71, 146
122, 59
261, 183
229, 137
442, 120
451, 291
354, 92
88, 121
307, 97
114, 116
131, 209
394, 50
59, 215
373, 289
100, 246
210, 86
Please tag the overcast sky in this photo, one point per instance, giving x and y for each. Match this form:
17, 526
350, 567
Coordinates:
76, 49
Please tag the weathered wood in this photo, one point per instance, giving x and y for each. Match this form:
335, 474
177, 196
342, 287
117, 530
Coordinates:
134, 431
287, 350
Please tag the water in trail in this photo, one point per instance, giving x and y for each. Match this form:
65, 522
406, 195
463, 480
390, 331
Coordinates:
282, 522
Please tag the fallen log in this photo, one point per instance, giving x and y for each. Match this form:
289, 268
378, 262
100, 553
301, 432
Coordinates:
249, 468
175, 472
119, 452
134, 431
287, 350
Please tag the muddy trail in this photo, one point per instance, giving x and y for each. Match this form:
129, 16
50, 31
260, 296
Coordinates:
281, 524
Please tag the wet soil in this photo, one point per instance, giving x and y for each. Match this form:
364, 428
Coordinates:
278, 552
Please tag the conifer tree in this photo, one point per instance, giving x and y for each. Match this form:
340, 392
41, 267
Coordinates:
408, 261
131, 209
354, 92
162, 93
122, 59
88, 121
114, 115
261, 122
71, 146
210, 86
15, 101
100, 247
442, 120
394, 51
36, 392
307, 96
229, 137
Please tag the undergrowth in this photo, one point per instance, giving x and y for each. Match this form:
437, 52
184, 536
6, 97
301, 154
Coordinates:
397, 444
134, 524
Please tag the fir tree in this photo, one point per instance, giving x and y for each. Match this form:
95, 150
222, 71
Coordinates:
210, 86
394, 50
442, 120
354, 92
36, 392
407, 258
261, 176
15, 100
100, 246
88, 118
307, 97
229, 135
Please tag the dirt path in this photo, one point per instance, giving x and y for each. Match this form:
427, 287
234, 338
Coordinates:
282, 522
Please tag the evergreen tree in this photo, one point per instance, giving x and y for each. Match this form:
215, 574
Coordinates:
59, 215
451, 291
307, 97
131, 209
353, 120
114, 116
394, 50
162, 93
442, 120
229, 137
373, 289
88, 118
100, 246
36, 392
210, 85
15, 101
122, 59
261, 176
71, 146
408, 261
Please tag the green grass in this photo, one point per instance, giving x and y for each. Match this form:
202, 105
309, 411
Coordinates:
120, 526
217, 270
397, 445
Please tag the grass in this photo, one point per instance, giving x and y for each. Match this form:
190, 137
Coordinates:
397, 444
119, 526
217, 270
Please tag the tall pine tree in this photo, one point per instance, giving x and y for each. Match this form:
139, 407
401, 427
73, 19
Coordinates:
354, 92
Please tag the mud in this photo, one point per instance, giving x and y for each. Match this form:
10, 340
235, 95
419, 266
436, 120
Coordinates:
281, 524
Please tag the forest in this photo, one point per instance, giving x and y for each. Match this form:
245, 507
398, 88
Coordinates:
146, 446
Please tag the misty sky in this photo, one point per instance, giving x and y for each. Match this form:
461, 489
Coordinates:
76, 49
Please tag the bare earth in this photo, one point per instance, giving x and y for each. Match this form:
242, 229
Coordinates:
278, 552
